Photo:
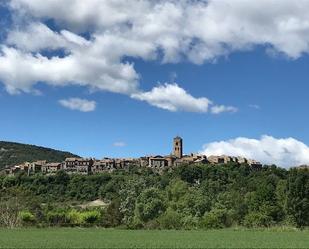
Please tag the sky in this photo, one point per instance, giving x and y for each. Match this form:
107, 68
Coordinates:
118, 78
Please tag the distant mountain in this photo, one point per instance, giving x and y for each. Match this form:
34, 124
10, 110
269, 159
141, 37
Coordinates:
15, 153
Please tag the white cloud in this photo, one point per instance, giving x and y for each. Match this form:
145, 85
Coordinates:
20, 71
173, 98
217, 109
78, 104
36, 37
284, 152
200, 30
168, 30
119, 144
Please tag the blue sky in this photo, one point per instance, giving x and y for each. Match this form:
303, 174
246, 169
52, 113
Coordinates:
261, 85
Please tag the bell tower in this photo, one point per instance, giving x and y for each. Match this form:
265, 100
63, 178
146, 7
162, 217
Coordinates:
177, 147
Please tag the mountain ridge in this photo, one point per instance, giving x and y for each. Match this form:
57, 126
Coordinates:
12, 153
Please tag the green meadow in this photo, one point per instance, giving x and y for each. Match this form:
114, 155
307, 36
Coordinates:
111, 238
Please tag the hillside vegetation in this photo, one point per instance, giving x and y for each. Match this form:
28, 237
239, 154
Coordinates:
188, 197
15, 153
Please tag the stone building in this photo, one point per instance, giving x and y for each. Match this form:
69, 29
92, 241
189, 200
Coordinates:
51, 168
190, 159
78, 165
177, 147
36, 167
144, 161
24, 167
219, 159
241, 160
157, 162
125, 163
104, 165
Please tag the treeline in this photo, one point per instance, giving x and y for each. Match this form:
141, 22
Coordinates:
189, 197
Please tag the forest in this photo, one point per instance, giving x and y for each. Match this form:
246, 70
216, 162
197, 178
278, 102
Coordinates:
186, 197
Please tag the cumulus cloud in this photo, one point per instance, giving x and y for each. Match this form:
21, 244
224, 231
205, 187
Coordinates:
173, 98
78, 104
169, 31
199, 29
284, 152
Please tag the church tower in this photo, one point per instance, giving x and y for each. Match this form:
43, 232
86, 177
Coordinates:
177, 147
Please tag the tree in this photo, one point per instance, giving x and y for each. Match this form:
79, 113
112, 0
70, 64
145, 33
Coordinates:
113, 216
9, 210
170, 219
128, 195
217, 218
298, 196
176, 189
149, 205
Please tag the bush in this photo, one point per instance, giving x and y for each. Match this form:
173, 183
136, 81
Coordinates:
257, 219
190, 222
26, 217
90, 217
56, 217
217, 218
74, 217
170, 220
151, 225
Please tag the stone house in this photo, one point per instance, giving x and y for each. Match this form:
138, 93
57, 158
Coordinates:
157, 162
78, 165
51, 168
104, 165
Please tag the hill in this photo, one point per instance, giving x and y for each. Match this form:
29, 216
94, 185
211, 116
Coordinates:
15, 153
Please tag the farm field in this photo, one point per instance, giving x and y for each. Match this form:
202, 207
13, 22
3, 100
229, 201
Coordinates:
110, 238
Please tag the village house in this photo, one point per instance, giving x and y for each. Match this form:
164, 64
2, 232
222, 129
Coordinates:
104, 165
51, 168
157, 162
78, 165
36, 167
24, 167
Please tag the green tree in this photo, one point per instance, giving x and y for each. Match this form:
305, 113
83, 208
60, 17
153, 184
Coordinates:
217, 218
298, 196
113, 217
170, 219
149, 204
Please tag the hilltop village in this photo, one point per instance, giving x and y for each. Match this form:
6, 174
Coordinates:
87, 166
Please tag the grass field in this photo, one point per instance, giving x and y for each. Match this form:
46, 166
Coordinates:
108, 238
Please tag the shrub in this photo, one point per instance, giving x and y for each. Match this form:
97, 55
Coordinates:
26, 217
151, 225
170, 220
257, 219
217, 218
190, 222
74, 217
90, 217
56, 217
